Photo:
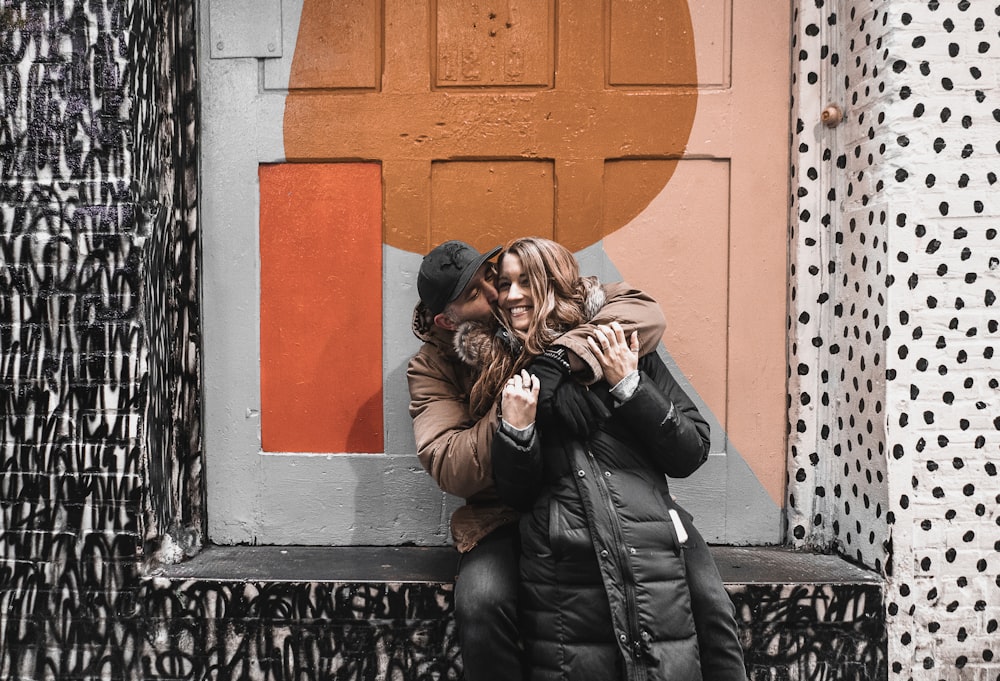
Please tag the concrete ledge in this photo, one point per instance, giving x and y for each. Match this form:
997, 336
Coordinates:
437, 565
776, 565
341, 564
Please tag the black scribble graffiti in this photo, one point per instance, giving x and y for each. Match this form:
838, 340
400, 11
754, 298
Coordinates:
302, 631
98, 323
812, 632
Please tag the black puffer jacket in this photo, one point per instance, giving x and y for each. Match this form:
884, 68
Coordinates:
604, 594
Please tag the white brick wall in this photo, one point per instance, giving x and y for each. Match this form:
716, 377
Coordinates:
920, 156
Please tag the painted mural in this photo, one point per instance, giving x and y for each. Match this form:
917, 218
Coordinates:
497, 48
626, 154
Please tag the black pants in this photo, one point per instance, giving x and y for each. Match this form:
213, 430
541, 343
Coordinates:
486, 608
714, 613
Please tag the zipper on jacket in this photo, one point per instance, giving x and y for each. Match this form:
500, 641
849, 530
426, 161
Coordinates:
637, 642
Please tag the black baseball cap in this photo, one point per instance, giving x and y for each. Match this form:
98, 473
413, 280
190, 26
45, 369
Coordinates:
446, 271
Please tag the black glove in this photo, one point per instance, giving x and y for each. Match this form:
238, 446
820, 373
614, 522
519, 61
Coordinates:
551, 373
579, 409
563, 401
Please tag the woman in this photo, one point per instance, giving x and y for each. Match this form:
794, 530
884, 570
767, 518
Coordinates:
605, 593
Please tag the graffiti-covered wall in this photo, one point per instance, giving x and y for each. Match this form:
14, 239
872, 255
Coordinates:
894, 420
100, 330
165, 100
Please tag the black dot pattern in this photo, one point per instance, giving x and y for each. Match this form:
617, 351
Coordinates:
893, 392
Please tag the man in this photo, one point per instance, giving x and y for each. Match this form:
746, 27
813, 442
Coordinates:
456, 285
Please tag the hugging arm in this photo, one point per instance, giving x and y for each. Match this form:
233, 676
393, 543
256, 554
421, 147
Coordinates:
634, 310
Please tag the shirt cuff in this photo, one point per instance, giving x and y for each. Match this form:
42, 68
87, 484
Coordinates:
625, 388
521, 436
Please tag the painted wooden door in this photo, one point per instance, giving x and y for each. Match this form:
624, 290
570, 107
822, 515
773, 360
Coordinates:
341, 141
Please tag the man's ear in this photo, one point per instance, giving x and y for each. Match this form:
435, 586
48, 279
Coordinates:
443, 321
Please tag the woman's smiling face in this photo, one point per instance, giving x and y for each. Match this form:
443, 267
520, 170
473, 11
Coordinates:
514, 293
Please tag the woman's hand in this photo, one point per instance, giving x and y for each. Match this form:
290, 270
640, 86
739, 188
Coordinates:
519, 400
617, 358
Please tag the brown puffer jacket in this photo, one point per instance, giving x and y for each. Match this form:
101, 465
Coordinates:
453, 446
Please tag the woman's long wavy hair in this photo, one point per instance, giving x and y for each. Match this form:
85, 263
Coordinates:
557, 293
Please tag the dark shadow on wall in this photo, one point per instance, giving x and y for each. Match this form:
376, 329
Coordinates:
367, 425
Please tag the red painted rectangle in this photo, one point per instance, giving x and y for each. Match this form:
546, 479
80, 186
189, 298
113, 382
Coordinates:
321, 307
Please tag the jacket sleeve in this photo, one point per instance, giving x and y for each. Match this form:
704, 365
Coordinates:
631, 308
452, 446
666, 421
517, 470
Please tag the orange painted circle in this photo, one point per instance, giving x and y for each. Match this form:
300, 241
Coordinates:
399, 108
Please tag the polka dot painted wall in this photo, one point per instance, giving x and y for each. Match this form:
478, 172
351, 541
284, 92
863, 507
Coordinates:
893, 389
837, 395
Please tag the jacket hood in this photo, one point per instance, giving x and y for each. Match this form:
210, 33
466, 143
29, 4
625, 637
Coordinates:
594, 297
426, 330
423, 322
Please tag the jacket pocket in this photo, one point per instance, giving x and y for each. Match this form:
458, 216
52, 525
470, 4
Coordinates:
568, 531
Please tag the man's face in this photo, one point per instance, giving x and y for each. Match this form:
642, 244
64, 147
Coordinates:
476, 301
